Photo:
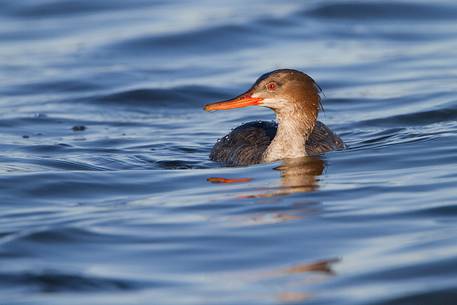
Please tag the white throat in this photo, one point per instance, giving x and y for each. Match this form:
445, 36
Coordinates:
289, 142
294, 128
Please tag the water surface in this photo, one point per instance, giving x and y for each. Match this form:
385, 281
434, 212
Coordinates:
107, 194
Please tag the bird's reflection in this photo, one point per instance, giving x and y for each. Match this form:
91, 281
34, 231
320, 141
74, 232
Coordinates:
323, 266
298, 175
295, 279
295, 292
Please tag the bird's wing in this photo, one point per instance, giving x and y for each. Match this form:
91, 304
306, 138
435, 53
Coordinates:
245, 144
322, 139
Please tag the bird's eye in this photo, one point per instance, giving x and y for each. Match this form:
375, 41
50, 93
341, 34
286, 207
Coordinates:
271, 86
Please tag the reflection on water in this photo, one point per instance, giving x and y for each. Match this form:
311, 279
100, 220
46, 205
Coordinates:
227, 180
292, 283
104, 154
298, 175
300, 277
324, 266
294, 296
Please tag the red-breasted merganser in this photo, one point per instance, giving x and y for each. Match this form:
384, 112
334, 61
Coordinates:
295, 99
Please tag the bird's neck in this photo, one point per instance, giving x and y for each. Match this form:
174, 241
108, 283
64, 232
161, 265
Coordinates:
291, 136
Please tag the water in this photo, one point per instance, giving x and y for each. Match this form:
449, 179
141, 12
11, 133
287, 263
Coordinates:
106, 196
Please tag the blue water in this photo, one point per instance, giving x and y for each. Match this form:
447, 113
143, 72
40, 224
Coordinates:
104, 191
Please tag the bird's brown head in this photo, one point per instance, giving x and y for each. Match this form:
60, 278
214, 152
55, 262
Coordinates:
285, 91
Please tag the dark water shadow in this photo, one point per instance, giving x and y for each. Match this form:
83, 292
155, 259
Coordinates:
371, 11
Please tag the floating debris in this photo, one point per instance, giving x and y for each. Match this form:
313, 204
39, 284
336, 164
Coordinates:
79, 128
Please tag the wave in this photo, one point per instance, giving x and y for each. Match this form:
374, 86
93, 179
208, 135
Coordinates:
184, 96
47, 9
223, 38
421, 118
52, 281
367, 11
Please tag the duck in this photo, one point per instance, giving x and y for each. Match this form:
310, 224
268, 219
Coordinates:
295, 98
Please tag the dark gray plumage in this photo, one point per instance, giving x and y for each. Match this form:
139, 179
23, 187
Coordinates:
246, 144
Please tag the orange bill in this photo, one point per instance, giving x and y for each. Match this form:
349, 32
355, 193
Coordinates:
241, 101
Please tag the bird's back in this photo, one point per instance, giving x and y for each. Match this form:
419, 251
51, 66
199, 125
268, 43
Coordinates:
246, 144
322, 139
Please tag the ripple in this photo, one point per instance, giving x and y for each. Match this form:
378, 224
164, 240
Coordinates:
398, 11
46, 9
178, 164
224, 38
43, 87
421, 118
434, 297
49, 281
184, 96
105, 181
